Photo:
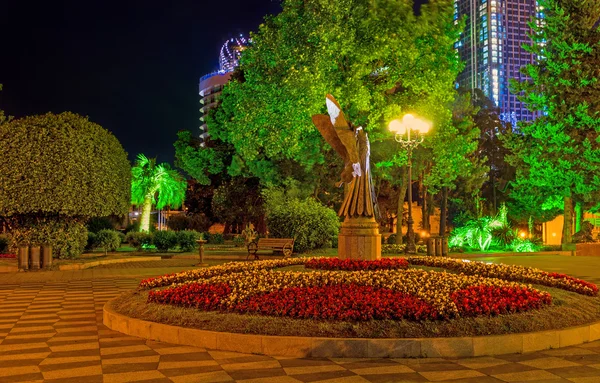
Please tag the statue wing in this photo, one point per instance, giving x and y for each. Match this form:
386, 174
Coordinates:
325, 127
346, 134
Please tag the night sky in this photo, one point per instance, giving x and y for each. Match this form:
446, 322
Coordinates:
131, 66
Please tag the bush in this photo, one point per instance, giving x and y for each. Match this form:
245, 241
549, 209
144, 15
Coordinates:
391, 239
96, 224
216, 239
311, 224
4, 244
195, 222
164, 240
186, 239
178, 222
67, 236
109, 240
92, 241
138, 240
58, 171
239, 241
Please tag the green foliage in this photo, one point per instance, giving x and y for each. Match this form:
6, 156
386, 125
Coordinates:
96, 224
139, 240
153, 184
92, 241
67, 236
558, 154
164, 240
475, 234
239, 241
4, 242
311, 224
214, 238
109, 240
198, 222
249, 234
186, 239
520, 245
376, 57
62, 164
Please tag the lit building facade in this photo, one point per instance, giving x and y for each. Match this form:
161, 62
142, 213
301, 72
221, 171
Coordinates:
491, 48
212, 84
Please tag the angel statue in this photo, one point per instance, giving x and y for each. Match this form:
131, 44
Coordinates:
352, 144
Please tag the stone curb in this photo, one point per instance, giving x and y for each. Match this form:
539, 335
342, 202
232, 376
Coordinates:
87, 265
302, 347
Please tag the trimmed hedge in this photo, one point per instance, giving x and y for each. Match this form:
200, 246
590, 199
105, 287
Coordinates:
67, 236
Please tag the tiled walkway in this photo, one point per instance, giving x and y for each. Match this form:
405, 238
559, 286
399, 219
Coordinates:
51, 330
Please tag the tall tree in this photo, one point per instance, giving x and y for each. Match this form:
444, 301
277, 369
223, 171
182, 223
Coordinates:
376, 57
153, 184
559, 152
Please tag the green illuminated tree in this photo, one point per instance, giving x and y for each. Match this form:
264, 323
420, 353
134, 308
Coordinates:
153, 184
559, 153
377, 58
57, 172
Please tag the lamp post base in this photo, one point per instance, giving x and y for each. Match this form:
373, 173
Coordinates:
359, 238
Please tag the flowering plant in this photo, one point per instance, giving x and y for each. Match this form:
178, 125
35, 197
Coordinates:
509, 273
356, 264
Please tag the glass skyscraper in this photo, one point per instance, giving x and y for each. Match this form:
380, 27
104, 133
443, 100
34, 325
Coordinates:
491, 47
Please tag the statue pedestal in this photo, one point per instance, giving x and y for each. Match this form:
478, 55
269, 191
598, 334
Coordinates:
359, 238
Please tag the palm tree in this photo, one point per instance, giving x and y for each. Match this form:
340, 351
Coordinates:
155, 184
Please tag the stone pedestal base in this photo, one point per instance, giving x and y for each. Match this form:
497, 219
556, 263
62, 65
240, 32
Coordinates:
359, 238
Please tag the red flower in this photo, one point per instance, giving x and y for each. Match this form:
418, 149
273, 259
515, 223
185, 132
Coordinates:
356, 264
492, 300
338, 302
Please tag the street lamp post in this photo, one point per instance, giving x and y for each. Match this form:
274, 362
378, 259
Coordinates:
402, 130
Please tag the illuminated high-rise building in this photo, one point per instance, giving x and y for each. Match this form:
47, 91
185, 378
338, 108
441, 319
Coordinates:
491, 47
212, 84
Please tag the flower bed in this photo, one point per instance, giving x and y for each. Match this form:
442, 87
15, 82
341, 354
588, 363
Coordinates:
8, 256
509, 273
351, 301
241, 287
356, 264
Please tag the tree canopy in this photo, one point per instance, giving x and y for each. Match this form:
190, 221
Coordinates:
62, 165
558, 154
155, 184
376, 57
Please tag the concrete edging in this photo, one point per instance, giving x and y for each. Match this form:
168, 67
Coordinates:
87, 265
351, 347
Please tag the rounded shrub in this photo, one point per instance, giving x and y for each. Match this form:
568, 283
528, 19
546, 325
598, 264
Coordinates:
138, 240
67, 236
216, 239
109, 240
186, 239
92, 241
164, 240
311, 224
58, 171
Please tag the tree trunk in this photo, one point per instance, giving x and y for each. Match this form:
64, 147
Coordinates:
430, 211
400, 210
145, 218
443, 211
568, 222
425, 208
578, 216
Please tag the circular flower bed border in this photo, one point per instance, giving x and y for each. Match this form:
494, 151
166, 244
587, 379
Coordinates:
370, 293
481, 296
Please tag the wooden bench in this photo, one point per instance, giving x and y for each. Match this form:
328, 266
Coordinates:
284, 245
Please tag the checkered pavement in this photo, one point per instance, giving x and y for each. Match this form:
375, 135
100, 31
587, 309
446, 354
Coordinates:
51, 331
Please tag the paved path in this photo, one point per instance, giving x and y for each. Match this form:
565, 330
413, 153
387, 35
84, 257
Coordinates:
51, 330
